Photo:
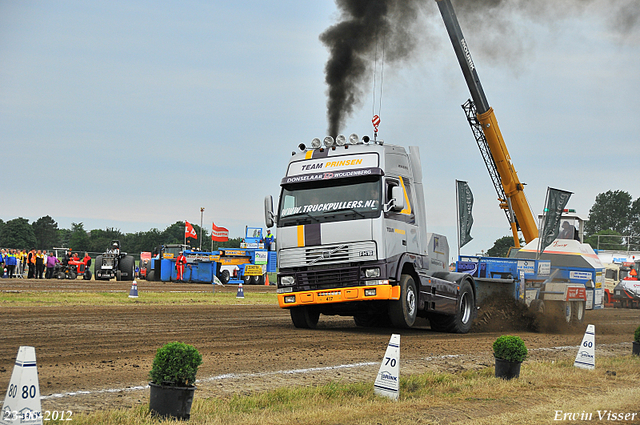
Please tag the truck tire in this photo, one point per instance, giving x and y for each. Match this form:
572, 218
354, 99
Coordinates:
118, 275
304, 317
72, 275
87, 275
246, 279
151, 275
127, 268
537, 306
97, 265
465, 313
562, 310
225, 276
577, 311
255, 280
404, 311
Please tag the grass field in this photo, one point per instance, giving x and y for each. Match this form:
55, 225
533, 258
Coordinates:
546, 392
25, 299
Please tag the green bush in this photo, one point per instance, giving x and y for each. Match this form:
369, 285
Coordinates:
636, 335
175, 364
510, 348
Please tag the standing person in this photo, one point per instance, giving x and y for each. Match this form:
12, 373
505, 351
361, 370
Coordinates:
268, 240
11, 261
180, 262
3, 254
39, 264
22, 262
31, 261
52, 260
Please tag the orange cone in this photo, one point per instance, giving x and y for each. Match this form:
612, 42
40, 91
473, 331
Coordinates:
266, 279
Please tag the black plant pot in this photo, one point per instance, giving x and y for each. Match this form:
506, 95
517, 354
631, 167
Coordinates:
636, 348
506, 369
171, 402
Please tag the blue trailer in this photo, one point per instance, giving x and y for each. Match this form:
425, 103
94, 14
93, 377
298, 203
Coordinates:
567, 278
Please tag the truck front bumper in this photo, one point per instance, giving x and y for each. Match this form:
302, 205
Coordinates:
339, 295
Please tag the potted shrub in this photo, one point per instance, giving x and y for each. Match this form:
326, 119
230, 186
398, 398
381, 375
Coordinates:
173, 377
636, 342
509, 352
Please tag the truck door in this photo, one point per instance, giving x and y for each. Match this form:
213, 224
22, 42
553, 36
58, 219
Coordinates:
401, 226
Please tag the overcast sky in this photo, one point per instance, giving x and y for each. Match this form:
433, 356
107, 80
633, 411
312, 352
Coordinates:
134, 114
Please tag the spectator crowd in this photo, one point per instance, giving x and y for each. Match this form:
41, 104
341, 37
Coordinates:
36, 264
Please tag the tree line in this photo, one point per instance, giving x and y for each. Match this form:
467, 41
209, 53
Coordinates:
44, 234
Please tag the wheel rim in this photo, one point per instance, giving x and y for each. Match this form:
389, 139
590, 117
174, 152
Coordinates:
411, 302
567, 312
465, 307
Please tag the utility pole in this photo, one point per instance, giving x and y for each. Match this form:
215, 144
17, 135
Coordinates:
201, 229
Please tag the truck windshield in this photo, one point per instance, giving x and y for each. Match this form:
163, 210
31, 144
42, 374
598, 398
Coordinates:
331, 200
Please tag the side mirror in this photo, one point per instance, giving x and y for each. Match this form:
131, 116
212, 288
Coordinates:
397, 198
269, 216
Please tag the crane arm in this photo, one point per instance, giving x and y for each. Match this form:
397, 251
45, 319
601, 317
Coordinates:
512, 187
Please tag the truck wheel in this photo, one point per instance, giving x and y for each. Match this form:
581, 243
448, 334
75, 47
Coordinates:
151, 275
577, 311
72, 275
304, 317
97, 265
403, 312
118, 275
562, 310
87, 274
246, 279
60, 275
225, 276
255, 280
461, 321
127, 268
537, 306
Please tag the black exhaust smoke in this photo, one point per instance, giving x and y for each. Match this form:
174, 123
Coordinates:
365, 25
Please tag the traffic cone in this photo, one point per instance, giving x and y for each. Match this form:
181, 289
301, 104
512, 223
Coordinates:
133, 293
240, 293
266, 279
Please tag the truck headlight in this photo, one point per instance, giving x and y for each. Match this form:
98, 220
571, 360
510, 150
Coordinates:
374, 272
316, 143
341, 140
287, 281
328, 141
290, 299
371, 292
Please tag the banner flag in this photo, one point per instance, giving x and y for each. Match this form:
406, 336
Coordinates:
219, 234
465, 219
556, 201
189, 231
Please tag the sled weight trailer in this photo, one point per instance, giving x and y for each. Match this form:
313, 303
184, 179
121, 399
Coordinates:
352, 240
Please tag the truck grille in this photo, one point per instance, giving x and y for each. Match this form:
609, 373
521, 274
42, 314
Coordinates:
327, 279
328, 254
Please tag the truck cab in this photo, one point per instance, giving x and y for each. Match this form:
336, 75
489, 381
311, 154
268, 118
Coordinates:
352, 240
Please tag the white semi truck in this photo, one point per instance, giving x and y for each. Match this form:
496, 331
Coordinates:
353, 240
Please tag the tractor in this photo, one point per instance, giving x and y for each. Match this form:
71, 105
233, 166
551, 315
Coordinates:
114, 263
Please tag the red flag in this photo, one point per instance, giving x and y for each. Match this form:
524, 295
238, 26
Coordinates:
189, 231
219, 234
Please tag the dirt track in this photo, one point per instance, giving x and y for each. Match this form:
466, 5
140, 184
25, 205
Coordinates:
105, 351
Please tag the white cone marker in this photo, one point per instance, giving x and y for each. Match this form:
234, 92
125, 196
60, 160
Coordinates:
586, 358
22, 402
387, 382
